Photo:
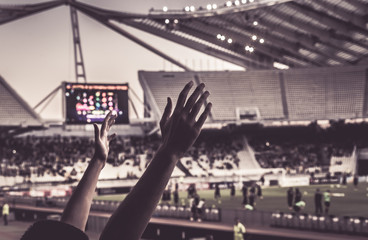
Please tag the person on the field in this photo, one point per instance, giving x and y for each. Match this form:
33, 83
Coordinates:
239, 230
298, 195
252, 195
259, 191
299, 206
232, 190
176, 197
5, 213
327, 200
217, 193
318, 202
200, 209
355, 182
193, 202
290, 197
180, 129
344, 177
245, 194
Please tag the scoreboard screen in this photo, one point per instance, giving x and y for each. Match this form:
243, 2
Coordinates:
89, 103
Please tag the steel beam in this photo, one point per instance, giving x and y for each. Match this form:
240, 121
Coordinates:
322, 17
103, 20
10, 13
347, 15
213, 50
325, 37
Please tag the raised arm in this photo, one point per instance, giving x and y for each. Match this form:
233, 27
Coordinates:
77, 210
179, 131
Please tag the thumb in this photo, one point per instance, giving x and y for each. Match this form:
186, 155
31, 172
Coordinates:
97, 132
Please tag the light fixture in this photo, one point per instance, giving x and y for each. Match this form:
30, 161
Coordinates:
209, 6
237, 2
164, 9
218, 36
251, 49
192, 8
167, 21
254, 37
229, 3
229, 40
176, 21
255, 23
187, 8
214, 6
261, 40
247, 48
244, 1
222, 38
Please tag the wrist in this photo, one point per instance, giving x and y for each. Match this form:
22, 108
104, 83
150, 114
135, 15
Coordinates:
166, 153
98, 161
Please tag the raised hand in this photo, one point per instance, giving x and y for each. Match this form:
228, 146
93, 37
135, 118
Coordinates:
102, 140
180, 129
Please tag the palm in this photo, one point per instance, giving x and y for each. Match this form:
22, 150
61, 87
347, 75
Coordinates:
180, 130
102, 140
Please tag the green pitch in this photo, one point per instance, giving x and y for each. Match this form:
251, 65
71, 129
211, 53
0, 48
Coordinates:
346, 200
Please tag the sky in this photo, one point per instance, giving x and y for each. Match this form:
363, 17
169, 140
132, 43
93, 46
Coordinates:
36, 52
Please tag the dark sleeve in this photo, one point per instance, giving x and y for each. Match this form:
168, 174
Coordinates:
48, 229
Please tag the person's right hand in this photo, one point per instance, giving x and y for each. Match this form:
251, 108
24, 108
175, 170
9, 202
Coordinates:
180, 129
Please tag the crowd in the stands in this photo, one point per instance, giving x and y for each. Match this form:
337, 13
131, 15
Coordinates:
298, 156
23, 156
26, 156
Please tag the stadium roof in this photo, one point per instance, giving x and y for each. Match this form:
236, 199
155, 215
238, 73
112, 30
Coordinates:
258, 34
14, 111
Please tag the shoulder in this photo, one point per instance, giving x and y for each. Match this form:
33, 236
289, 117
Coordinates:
55, 230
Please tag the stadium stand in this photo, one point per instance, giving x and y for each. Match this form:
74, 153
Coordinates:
297, 94
325, 93
14, 110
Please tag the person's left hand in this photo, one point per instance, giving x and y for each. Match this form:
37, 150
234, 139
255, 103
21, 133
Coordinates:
102, 140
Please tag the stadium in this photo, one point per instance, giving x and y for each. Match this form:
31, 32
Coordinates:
284, 149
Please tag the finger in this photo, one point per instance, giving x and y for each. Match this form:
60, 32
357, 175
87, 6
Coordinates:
166, 114
193, 98
97, 132
183, 96
111, 137
203, 116
197, 106
104, 124
111, 121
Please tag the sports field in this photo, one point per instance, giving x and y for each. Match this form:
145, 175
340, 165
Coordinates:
345, 200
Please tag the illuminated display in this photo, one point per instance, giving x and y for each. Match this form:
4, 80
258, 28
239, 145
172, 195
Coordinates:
89, 103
